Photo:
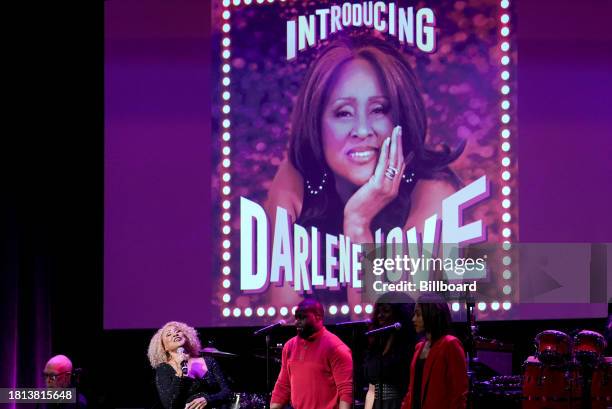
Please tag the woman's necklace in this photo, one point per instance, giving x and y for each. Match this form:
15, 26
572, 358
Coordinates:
426, 348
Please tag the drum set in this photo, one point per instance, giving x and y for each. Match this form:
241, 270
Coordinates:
568, 373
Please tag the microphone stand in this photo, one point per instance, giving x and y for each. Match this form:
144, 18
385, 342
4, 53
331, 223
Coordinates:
268, 363
354, 366
353, 325
471, 348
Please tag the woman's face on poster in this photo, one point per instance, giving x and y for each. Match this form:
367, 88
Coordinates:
356, 120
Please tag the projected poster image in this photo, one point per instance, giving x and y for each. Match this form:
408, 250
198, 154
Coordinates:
353, 143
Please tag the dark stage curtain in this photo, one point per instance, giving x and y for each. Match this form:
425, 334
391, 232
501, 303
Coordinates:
25, 296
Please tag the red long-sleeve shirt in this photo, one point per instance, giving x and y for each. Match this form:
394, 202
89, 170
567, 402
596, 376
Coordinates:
316, 373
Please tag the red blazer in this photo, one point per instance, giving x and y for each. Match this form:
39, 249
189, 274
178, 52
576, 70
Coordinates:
444, 376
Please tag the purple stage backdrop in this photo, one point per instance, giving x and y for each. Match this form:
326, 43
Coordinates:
159, 219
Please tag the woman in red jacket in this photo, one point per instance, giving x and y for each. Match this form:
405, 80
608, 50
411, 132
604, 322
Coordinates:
438, 373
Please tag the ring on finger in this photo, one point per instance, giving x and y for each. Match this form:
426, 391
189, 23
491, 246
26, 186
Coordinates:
390, 172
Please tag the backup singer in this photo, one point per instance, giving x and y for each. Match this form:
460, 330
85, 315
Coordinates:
317, 367
203, 386
438, 374
387, 360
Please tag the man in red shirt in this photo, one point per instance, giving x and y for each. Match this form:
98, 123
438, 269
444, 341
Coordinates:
317, 367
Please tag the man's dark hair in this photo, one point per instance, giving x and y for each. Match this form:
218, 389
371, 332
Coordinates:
312, 305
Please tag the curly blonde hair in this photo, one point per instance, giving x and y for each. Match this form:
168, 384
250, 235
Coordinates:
157, 353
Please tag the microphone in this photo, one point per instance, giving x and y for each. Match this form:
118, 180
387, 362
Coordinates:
181, 351
349, 323
396, 325
270, 327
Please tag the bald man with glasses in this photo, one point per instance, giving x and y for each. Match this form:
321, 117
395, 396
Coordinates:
58, 374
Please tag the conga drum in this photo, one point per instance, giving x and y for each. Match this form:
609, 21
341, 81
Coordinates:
589, 347
553, 348
601, 385
550, 387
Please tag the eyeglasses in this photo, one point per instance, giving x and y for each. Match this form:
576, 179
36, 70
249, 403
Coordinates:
52, 376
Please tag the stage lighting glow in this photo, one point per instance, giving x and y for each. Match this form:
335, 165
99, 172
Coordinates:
226, 163
505, 60
237, 312
333, 309
226, 28
505, 146
248, 312
505, 175
505, 133
505, 118
505, 46
226, 42
271, 311
261, 311
507, 274
226, 3
226, 312
236, 2
506, 232
226, 283
505, 18
226, 109
505, 31
506, 203
505, 104
226, 204
506, 305
507, 289
455, 306
358, 309
507, 260
345, 309
226, 54
506, 217
226, 177
505, 89
369, 308
226, 15
226, 81
226, 95
293, 310
482, 306
506, 161
226, 150
507, 245
226, 297
226, 68
495, 306
226, 136
247, 2
226, 216
226, 244
226, 270
284, 311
